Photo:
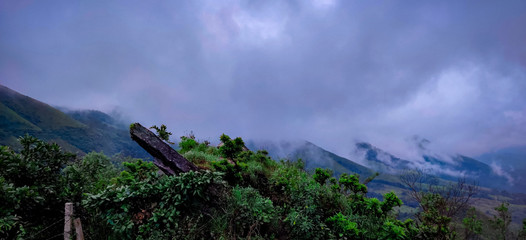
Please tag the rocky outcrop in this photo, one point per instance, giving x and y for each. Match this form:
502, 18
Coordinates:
165, 157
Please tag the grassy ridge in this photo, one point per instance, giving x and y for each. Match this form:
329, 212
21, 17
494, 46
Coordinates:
36, 112
76, 131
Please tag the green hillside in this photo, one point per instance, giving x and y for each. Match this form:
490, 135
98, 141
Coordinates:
10, 119
36, 112
76, 131
315, 156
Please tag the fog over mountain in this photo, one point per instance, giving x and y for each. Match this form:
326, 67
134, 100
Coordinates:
327, 71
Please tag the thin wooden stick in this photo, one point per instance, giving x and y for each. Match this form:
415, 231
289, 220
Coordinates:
67, 220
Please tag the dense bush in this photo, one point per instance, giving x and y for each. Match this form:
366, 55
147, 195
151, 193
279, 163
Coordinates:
247, 214
143, 204
230, 148
90, 174
186, 144
32, 187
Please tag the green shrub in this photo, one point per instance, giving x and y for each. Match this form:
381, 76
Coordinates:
161, 133
248, 213
200, 158
91, 174
152, 206
230, 147
232, 172
435, 224
390, 201
343, 226
471, 224
502, 220
351, 183
31, 188
394, 229
321, 175
186, 144
136, 171
304, 223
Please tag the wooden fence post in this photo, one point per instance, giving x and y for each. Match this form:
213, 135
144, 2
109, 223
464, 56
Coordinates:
67, 220
78, 229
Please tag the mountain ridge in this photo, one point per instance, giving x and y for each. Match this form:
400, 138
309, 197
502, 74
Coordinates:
79, 131
456, 166
83, 131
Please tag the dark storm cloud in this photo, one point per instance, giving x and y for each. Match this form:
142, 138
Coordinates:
327, 71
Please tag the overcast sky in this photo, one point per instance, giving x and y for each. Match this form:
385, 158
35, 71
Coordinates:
328, 71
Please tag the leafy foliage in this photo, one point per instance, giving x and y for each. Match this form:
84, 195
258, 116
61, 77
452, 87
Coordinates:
162, 133
144, 204
322, 175
435, 223
91, 174
472, 225
230, 147
343, 226
31, 189
502, 220
439, 204
236, 194
247, 213
186, 144
352, 184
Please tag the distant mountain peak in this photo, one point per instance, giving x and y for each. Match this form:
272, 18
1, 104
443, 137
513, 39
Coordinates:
313, 155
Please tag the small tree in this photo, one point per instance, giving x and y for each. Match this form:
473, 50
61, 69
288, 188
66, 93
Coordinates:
472, 226
31, 188
352, 184
438, 203
187, 143
231, 148
90, 174
502, 221
321, 175
162, 133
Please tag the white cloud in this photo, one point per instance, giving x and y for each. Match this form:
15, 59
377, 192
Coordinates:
497, 169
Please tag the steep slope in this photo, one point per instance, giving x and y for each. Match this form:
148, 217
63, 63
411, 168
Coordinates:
36, 112
80, 131
9, 118
313, 156
104, 133
380, 160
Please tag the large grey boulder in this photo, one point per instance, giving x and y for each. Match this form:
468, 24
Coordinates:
165, 157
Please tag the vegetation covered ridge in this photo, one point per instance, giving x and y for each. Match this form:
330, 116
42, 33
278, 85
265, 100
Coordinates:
235, 194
